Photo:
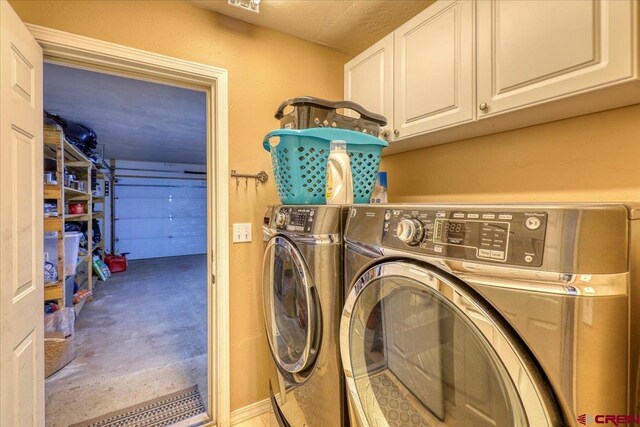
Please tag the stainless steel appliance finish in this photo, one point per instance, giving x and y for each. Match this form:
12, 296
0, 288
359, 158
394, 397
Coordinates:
490, 314
303, 295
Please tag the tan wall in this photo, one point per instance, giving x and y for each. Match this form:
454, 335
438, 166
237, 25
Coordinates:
589, 158
265, 67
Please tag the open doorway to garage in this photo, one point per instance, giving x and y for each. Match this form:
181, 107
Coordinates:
143, 334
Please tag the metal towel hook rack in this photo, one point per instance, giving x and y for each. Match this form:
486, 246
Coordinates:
260, 177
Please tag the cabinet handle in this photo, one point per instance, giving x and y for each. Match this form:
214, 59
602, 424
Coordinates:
396, 132
384, 133
483, 106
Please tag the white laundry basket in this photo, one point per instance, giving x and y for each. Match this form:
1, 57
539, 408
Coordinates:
71, 246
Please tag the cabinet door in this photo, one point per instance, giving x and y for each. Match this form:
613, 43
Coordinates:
433, 68
368, 80
532, 51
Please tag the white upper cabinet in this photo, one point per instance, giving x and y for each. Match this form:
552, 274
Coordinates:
533, 51
461, 69
433, 69
368, 80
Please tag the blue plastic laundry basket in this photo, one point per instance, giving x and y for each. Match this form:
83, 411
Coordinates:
300, 161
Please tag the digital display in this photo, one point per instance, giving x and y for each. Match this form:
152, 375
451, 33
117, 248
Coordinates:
452, 232
454, 227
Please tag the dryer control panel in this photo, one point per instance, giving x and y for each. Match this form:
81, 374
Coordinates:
295, 219
515, 238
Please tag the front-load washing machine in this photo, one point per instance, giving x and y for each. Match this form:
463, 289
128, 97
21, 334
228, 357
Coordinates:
303, 296
510, 315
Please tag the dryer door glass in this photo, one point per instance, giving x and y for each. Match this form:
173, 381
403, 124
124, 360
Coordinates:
416, 352
289, 306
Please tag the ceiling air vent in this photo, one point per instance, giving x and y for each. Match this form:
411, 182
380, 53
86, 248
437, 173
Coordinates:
252, 5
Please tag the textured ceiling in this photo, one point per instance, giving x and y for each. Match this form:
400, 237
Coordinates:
134, 119
350, 26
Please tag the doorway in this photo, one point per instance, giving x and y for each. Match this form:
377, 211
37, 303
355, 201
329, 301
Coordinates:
22, 348
140, 330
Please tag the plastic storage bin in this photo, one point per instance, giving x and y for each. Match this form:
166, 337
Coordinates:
300, 163
71, 246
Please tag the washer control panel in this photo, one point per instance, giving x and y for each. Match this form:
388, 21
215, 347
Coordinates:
515, 238
294, 219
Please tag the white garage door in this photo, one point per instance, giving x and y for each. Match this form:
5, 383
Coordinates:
160, 209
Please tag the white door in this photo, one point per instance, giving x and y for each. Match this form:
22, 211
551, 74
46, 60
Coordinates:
433, 69
533, 51
21, 225
368, 81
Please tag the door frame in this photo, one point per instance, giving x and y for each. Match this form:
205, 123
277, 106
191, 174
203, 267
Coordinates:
84, 52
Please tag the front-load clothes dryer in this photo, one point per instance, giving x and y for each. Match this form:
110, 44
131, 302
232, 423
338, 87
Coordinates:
303, 296
510, 315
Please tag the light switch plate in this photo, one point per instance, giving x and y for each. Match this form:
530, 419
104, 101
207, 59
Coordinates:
242, 232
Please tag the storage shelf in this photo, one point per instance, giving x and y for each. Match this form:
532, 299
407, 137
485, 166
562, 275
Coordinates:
74, 192
68, 158
53, 292
78, 217
82, 259
53, 135
52, 191
98, 215
52, 224
74, 157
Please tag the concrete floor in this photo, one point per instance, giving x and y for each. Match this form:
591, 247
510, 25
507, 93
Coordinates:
144, 335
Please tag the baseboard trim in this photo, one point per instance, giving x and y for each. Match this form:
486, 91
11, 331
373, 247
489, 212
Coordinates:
250, 411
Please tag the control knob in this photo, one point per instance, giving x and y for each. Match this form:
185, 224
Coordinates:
281, 219
410, 231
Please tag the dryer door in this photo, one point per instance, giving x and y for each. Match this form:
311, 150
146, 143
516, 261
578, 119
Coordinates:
421, 348
290, 306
